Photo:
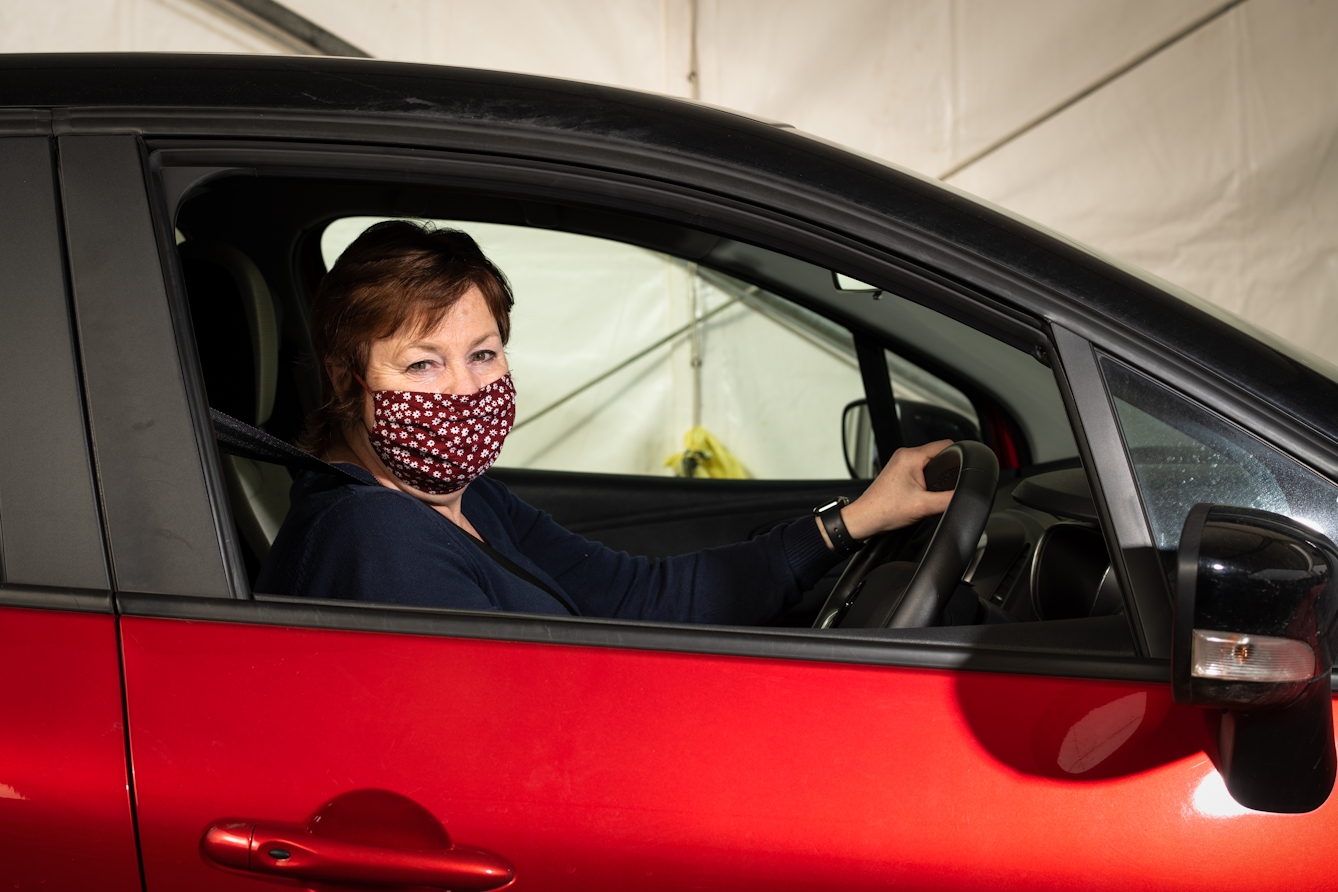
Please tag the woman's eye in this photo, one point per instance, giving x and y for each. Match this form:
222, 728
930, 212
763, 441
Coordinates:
420, 366
483, 355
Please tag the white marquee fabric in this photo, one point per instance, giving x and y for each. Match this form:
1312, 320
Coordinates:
1213, 164
1212, 161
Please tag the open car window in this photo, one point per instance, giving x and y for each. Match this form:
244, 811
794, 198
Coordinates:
636, 368
632, 361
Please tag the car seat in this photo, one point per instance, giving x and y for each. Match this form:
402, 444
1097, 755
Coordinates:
236, 336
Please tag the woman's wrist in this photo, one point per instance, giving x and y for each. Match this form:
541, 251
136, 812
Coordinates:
857, 519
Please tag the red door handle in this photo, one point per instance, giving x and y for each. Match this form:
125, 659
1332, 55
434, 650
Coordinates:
414, 848
289, 850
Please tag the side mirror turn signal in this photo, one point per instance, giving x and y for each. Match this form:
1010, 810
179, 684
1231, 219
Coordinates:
1254, 635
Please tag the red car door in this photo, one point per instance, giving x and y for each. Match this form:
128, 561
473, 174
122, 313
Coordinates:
65, 815
615, 767
308, 743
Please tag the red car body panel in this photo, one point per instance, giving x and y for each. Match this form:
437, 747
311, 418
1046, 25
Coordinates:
64, 805
602, 768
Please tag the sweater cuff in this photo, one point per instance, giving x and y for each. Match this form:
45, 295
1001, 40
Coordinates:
808, 555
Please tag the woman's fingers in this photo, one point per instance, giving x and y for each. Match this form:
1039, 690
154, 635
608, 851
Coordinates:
922, 456
934, 503
898, 497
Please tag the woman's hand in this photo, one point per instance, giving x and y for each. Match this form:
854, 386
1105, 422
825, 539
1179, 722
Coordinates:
897, 497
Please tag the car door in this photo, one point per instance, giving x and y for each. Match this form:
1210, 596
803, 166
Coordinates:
65, 808
581, 753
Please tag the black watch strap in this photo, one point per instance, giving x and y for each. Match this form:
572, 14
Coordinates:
829, 515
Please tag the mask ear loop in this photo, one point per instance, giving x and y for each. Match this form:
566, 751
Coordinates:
361, 418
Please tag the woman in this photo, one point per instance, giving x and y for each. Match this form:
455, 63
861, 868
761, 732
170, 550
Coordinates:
410, 327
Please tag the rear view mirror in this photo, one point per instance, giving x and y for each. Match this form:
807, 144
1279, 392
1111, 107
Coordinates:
1254, 635
846, 283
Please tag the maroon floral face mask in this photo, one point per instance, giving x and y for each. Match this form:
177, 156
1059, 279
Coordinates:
439, 442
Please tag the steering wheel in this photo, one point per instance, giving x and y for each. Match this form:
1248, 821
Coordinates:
972, 470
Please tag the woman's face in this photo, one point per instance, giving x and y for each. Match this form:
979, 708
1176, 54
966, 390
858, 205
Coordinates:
460, 355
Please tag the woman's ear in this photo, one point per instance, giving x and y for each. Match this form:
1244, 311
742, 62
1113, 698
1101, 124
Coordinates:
340, 378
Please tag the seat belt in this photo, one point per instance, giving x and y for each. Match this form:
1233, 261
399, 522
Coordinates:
520, 572
881, 400
244, 441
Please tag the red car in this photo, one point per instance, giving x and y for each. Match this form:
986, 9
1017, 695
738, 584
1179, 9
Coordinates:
1106, 667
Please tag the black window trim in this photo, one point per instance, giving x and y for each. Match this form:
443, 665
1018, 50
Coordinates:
963, 648
1115, 491
636, 195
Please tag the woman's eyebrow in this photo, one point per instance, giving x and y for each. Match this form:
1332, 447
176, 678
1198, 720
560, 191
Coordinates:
422, 345
437, 347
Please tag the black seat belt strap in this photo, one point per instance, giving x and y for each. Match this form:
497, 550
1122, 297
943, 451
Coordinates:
244, 441
520, 572
878, 391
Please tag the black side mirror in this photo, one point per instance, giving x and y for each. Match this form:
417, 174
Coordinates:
857, 441
1254, 635
920, 423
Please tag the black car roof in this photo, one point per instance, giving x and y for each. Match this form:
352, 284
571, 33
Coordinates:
1135, 304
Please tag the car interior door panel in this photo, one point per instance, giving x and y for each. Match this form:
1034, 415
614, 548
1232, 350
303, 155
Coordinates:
663, 516
683, 382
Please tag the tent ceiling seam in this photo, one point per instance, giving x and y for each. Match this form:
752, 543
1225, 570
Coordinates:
1091, 88
280, 24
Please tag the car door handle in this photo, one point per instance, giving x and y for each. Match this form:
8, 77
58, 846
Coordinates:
290, 850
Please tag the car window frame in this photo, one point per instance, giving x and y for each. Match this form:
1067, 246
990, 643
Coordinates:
173, 169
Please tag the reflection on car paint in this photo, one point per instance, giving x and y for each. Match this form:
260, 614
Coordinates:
1101, 732
1212, 800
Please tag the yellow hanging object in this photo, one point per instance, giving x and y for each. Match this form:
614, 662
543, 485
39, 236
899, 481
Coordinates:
705, 457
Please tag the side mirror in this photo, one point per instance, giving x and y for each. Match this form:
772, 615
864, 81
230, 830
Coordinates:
920, 423
1254, 635
857, 441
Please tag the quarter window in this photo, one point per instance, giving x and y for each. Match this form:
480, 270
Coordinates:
1184, 454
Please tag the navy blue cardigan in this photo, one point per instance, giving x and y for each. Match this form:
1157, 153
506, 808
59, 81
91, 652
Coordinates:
372, 543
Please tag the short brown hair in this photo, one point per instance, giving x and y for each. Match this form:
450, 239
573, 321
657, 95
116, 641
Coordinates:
395, 274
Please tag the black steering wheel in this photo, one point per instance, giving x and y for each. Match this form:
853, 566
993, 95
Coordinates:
972, 471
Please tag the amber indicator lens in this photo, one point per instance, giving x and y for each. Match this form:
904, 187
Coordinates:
1231, 656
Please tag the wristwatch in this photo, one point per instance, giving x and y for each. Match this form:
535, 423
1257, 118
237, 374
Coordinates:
829, 515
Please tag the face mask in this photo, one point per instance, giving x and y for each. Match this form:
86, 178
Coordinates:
440, 442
